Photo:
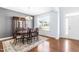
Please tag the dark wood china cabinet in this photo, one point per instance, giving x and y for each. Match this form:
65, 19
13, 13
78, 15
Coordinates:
18, 24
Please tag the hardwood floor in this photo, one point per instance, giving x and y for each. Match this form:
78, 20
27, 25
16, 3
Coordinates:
61, 45
53, 45
50, 45
69, 45
1, 46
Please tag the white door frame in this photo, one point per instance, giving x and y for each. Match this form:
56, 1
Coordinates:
66, 27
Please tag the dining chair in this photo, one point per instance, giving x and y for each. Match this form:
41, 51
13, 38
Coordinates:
17, 38
27, 35
34, 34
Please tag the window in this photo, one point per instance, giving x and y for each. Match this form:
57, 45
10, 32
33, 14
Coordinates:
43, 22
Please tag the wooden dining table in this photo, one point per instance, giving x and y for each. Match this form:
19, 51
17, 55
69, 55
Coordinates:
23, 33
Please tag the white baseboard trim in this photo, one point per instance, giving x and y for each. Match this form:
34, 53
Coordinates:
57, 38
6, 38
52, 36
73, 38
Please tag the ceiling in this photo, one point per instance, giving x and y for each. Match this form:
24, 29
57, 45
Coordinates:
31, 10
70, 9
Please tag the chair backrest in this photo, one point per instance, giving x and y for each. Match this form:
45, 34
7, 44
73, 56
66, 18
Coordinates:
35, 32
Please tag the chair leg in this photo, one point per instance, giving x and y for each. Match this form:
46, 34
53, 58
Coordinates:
15, 41
31, 40
23, 39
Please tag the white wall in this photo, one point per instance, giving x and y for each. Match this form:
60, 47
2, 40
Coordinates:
73, 19
53, 28
62, 23
6, 21
5, 26
73, 29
